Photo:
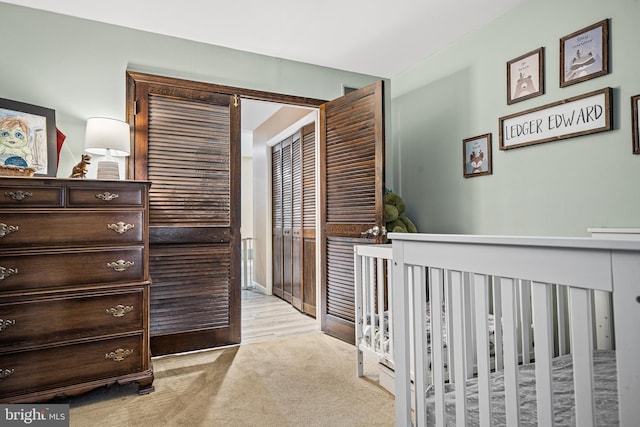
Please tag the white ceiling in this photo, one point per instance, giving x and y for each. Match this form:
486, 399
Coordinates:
376, 37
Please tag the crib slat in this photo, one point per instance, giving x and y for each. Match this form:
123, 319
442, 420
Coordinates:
357, 271
458, 337
480, 282
380, 299
451, 346
497, 315
470, 333
525, 315
543, 338
582, 349
390, 305
437, 368
561, 302
509, 315
420, 344
401, 336
371, 308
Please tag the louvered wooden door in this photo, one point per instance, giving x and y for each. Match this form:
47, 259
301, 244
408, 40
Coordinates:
276, 211
308, 137
296, 221
187, 144
351, 194
287, 220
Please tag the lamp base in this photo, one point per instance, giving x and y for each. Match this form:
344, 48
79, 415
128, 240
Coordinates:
108, 170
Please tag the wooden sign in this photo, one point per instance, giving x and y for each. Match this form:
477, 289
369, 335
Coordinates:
577, 116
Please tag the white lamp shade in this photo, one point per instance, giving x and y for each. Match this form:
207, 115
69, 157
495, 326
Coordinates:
107, 136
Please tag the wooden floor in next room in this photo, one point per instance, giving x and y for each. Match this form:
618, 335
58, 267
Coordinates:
266, 317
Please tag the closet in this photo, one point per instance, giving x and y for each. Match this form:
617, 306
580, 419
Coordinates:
294, 219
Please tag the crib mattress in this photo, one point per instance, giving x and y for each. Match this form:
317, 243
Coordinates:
605, 384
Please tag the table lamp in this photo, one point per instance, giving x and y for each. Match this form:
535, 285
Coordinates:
109, 138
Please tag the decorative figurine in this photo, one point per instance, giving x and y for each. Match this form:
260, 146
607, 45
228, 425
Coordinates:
80, 170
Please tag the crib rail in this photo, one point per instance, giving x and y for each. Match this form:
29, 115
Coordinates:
372, 277
495, 272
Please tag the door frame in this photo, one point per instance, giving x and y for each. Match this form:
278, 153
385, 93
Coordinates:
241, 93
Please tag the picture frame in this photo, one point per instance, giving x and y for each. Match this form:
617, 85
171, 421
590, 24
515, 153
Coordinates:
584, 54
635, 120
476, 156
37, 125
580, 115
525, 76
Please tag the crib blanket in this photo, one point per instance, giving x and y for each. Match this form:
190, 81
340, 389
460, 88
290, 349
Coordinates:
605, 384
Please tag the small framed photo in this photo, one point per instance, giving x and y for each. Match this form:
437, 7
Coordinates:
635, 119
584, 55
476, 156
28, 137
525, 76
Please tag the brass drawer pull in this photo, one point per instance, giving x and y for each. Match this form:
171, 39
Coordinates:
7, 229
18, 195
4, 373
106, 196
119, 310
7, 272
4, 324
120, 265
119, 355
120, 227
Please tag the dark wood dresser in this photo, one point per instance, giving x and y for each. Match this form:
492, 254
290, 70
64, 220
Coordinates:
74, 287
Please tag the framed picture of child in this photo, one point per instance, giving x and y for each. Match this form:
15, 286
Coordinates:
476, 156
28, 137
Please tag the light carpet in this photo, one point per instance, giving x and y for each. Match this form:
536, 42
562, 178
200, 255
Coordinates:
304, 380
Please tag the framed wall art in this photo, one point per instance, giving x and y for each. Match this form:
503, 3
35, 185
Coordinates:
28, 137
476, 156
584, 54
525, 76
635, 120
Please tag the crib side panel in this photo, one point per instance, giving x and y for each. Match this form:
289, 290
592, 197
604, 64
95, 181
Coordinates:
626, 309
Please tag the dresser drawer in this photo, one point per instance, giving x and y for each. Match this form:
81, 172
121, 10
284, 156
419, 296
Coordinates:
31, 371
34, 229
56, 269
104, 195
28, 324
12, 196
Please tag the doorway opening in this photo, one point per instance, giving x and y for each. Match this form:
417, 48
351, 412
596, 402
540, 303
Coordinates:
264, 125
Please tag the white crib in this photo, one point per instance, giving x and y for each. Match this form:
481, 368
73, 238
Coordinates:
519, 382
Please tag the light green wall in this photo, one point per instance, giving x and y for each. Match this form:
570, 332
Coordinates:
77, 67
556, 188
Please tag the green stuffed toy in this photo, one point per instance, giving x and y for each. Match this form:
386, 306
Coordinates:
397, 221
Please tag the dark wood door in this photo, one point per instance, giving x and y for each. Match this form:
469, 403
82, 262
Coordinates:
287, 220
187, 143
276, 212
351, 197
296, 221
308, 137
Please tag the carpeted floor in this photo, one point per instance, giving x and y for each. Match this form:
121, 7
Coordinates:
305, 380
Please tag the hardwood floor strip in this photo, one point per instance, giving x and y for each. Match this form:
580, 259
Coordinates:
266, 317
